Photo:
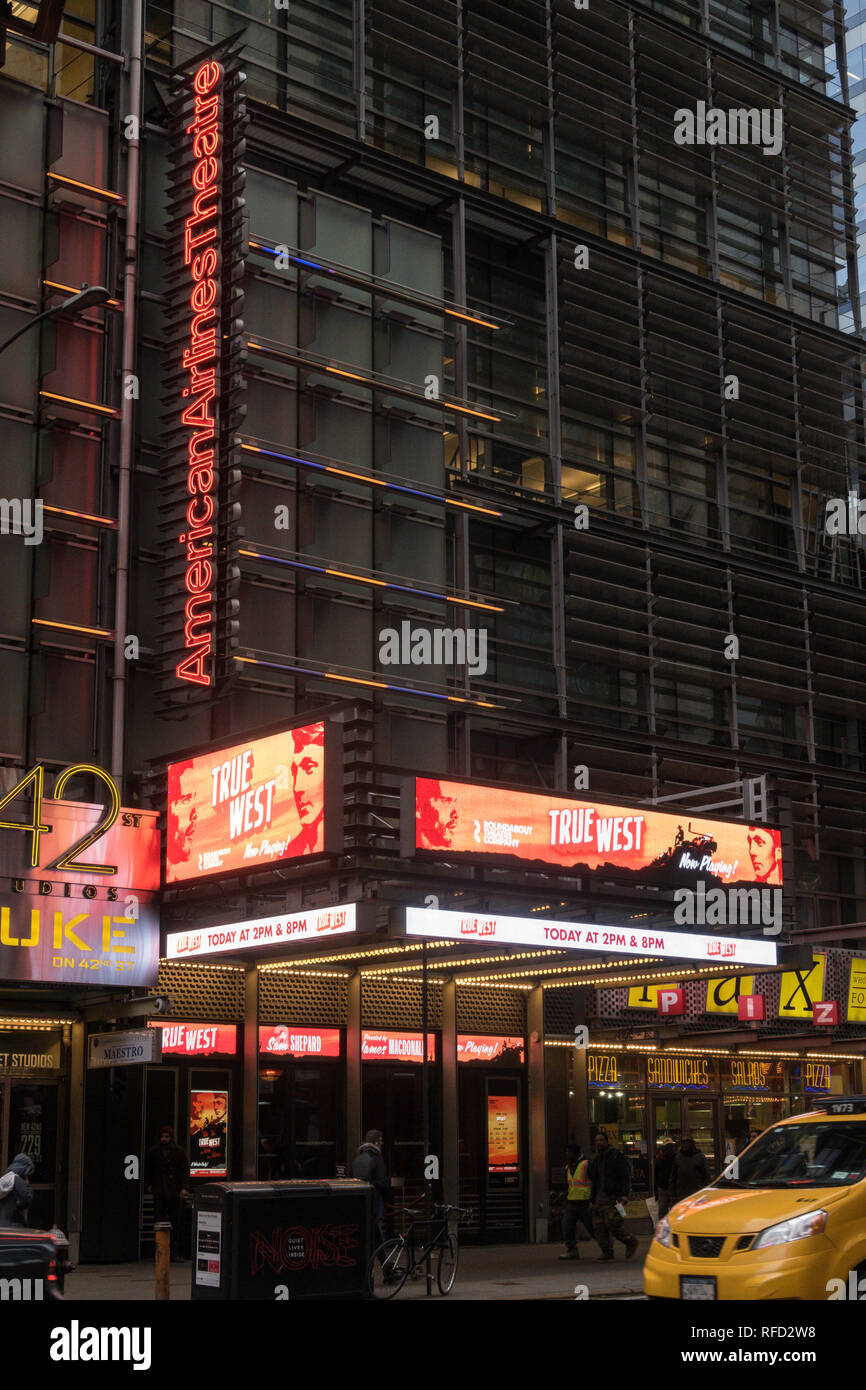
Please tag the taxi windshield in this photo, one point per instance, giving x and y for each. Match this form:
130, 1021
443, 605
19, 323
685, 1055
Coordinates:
804, 1155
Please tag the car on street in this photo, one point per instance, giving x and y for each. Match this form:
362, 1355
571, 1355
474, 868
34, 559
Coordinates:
32, 1265
785, 1220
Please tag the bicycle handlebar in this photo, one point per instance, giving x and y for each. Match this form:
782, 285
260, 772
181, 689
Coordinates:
442, 1207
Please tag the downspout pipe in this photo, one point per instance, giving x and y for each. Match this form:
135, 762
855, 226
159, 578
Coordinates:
134, 74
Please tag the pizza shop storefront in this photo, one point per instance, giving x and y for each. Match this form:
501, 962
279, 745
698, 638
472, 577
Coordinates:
644, 1099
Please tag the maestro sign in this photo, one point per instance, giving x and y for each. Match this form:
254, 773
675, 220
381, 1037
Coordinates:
590, 837
254, 804
123, 1049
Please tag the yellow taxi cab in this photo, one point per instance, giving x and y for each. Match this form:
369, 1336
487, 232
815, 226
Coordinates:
786, 1218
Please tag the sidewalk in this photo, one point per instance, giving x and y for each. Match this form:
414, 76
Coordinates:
485, 1274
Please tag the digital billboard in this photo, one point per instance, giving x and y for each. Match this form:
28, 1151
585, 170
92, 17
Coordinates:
503, 1148
472, 1047
590, 838
281, 1040
388, 1045
197, 1039
254, 804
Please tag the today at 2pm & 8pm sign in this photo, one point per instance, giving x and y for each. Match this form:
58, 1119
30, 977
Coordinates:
496, 928
313, 924
587, 837
78, 885
253, 804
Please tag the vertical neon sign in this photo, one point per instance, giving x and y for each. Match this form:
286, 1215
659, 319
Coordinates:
201, 253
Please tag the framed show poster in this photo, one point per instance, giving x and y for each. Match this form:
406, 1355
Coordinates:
208, 1134
503, 1137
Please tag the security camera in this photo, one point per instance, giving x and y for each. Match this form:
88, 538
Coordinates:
162, 1004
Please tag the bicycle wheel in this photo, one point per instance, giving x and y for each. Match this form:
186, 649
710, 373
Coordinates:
389, 1268
446, 1270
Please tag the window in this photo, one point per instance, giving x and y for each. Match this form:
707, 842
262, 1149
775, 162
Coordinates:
673, 222
682, 490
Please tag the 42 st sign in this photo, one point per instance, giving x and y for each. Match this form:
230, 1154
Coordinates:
78, 884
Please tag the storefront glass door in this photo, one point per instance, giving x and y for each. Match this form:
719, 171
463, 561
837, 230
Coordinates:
29, 1125
676, 1116
700, 1123
667, 1114
300, 1108
393, 1103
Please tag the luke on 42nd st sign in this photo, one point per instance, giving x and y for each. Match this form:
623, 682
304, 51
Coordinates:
78, 886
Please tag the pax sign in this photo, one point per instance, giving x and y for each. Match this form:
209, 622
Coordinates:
672, 1001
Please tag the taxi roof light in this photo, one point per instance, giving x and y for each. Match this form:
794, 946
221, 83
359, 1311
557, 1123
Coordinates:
841, 1105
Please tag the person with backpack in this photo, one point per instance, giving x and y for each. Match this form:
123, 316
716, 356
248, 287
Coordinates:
16, 1196
369, 1165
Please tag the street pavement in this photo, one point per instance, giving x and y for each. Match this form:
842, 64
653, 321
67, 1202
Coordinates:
485, 1274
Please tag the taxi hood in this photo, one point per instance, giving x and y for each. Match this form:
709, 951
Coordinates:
717, 1211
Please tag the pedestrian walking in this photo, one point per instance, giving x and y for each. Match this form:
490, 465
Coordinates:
369, 1165
166, 1175
576, 1210
610, 1181
688, 1171
664, 1165
16, 1195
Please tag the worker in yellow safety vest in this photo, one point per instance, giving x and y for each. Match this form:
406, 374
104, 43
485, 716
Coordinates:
576, 1207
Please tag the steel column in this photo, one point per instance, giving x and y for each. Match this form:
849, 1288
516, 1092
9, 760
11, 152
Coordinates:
353, 1067
134, 45
250, 1115
538, 1176
75, 1177
449, 1165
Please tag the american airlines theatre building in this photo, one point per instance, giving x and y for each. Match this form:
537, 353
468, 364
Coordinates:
366, 349
541, 943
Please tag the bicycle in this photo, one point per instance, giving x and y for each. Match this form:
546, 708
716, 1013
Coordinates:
395, 1260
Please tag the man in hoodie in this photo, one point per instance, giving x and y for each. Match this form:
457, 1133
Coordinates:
664, 1167
689, 1171
16, 1198
369, 1165
166, 1174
